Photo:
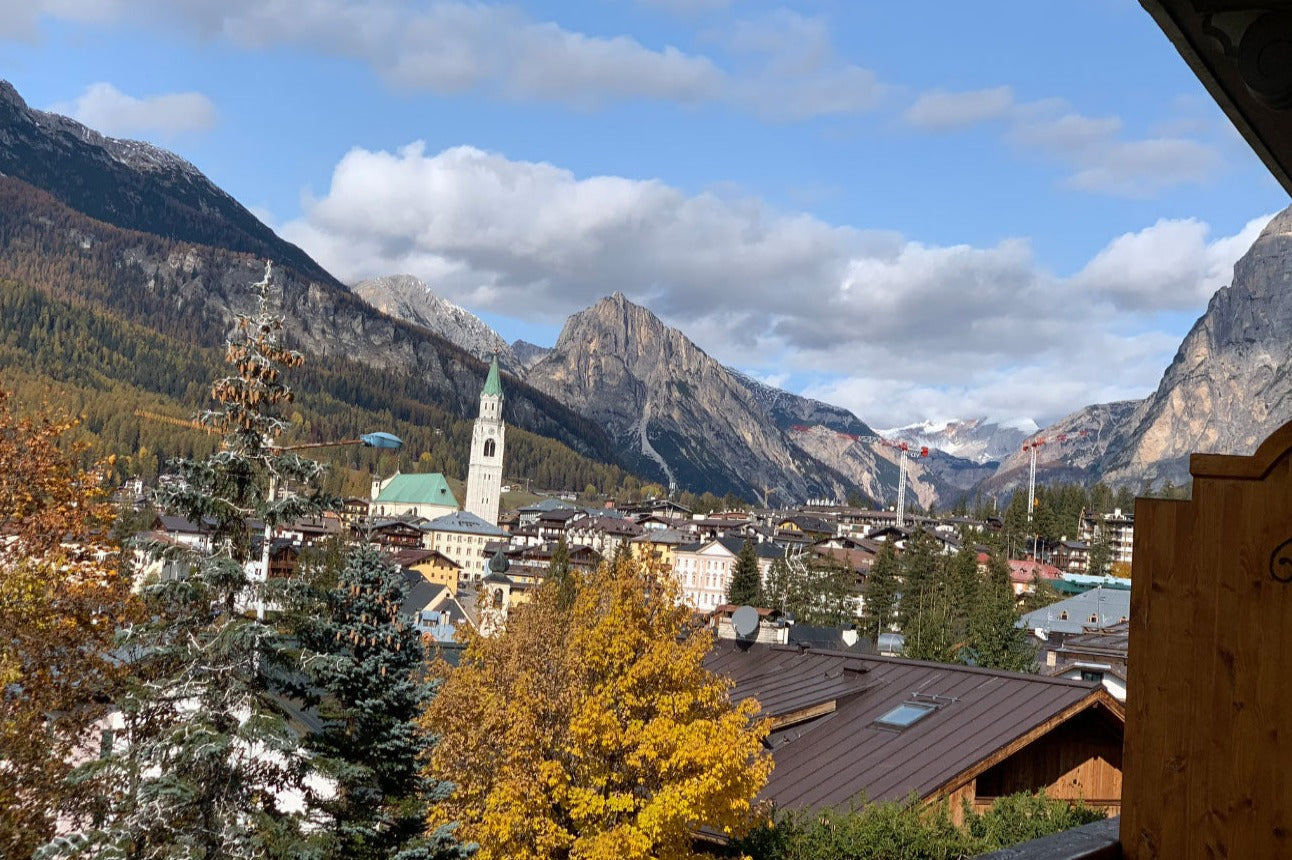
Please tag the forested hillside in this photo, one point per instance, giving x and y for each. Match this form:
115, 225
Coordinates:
59, 344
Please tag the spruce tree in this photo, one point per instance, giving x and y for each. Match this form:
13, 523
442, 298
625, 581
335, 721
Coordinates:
208, 753
883, 586
368, 662
995, 640
746, 582
920, 570
1100, 556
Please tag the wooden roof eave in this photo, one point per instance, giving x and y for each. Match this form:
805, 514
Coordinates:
1099, 697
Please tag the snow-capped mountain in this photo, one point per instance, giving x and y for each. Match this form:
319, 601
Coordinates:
408, 298
981, 440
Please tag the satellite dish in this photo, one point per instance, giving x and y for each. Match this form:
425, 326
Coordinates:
745, 622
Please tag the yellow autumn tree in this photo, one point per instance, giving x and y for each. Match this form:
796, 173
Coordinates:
62, 598
592, 731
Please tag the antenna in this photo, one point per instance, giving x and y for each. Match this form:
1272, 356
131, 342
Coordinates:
745, 622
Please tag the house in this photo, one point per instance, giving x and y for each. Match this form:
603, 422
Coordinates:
848, 729
703, 570
659, 546
433, 566
553, 525
1097, 609
1025, 573
1071, 556
810, 527
421, 495
1097, 655
394, 534
462, 537
604, 534
1117, 528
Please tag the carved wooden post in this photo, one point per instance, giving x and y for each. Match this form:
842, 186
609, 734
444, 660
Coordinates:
1209, 693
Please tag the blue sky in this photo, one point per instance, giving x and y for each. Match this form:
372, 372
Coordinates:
918, 210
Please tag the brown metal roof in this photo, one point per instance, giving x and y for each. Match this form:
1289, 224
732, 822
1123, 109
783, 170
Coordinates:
836, 759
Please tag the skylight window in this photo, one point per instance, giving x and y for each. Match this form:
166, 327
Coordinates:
905, 715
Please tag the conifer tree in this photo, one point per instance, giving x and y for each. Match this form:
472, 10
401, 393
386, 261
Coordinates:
1100, 557
368, 661
746, 581
208, 752
560, 572
920, 571
881, 595
994, 637
776, 590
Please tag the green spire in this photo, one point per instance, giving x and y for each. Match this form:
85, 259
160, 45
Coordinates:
493, 385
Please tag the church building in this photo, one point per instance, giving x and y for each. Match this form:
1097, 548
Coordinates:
484, 474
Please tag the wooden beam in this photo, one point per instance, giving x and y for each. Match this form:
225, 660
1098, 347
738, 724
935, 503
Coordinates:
1098, 698
802, 715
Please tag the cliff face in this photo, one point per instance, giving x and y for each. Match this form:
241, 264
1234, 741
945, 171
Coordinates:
1073, 451
1230, 384
675, 412
408, 298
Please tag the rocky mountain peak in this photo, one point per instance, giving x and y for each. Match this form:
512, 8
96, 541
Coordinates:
10, 95
407, 297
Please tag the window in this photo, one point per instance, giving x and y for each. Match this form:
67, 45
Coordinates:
1087, 675
489, 447
905, 715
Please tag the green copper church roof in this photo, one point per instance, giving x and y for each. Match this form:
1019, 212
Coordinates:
493, 385
424, 489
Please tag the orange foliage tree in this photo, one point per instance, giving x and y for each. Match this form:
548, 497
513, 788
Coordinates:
62, 597
594, 731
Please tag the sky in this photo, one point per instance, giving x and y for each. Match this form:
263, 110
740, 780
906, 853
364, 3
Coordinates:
917, 210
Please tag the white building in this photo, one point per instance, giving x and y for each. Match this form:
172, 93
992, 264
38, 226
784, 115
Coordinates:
484, 474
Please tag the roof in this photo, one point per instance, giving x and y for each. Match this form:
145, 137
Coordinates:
410, 557
420, 593
1026, 570
463, 522
823, 706
1107, 606
422, 489
548, 504
493, 385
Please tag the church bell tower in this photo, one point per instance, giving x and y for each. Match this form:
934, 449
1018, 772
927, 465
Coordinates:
484, 475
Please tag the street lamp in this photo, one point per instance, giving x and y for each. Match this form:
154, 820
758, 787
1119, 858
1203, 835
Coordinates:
388, 441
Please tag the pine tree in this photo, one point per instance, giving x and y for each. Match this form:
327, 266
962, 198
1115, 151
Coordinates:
208, 750
1100, 557
881, 596
996, 642
369, 663
746, 582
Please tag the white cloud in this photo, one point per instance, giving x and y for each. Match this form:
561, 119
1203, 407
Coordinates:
1172, 265
106, 109
451, 46
1093, 149
909, 329
938, 110
794, 71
